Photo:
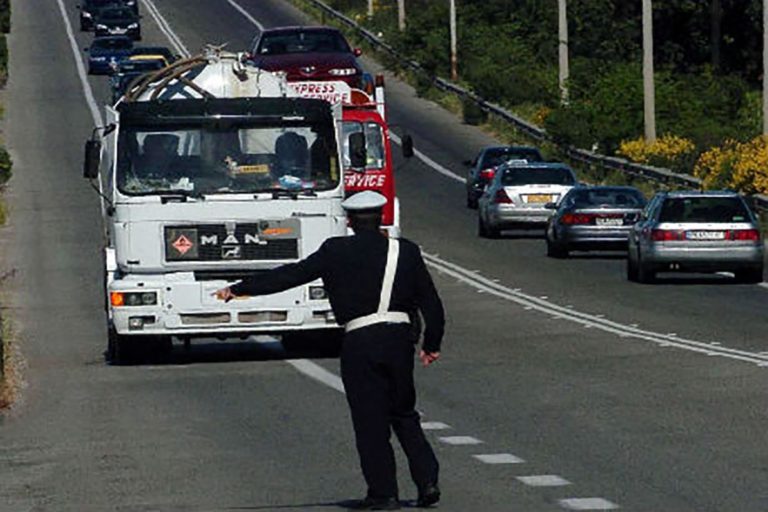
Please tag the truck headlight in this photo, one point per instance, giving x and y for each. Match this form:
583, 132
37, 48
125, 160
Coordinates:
119, 299
342, 71
317, 293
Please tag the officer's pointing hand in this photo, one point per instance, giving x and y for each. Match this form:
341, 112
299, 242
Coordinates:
224, 294
427, 358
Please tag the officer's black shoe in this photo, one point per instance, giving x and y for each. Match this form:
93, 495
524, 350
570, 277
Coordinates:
428, 496
369, 503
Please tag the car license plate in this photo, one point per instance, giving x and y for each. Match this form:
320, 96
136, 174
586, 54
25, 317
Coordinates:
609, 221
705, 235
538, 198
118, 31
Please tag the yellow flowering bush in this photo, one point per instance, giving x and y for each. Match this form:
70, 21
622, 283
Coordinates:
670, 151
740, 166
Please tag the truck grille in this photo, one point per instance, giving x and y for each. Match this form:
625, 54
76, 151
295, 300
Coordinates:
215, 242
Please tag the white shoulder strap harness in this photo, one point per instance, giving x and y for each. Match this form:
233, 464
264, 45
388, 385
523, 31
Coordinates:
383, 315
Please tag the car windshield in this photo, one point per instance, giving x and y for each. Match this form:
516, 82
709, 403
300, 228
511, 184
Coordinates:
323, 41
99, 3
238, 158
122, 43
514, 176
704, 209
611, 198
374, 143
120, 13
497, 156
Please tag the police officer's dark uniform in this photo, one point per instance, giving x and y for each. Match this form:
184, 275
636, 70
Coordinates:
374, 284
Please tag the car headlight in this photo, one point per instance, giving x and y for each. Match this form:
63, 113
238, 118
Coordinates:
118, 299
133, 26
99, 26
99, 59
86, 14
342, 71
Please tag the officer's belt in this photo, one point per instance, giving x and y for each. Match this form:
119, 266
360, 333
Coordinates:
383, 315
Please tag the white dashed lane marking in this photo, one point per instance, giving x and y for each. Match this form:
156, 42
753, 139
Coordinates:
544, 480
587, 504
434, 425
499, 458
459, 440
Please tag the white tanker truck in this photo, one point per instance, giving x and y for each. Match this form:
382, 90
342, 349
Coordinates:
211, 170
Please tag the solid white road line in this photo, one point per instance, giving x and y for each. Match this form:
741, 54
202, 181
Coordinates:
166, 29
499, 458
87, 91
246, 14
543, 480
588, 320
460, 440
431, 163
587, 504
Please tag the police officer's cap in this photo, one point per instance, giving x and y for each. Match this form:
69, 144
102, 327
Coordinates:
363, 201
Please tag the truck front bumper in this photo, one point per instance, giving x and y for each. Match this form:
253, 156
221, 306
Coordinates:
187, 308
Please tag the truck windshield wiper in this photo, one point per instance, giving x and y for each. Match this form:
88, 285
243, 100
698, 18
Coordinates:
179, 196
293, 194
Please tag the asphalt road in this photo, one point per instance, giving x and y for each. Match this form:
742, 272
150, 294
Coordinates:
591, 393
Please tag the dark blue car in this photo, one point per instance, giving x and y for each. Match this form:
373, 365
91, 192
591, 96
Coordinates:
105, 52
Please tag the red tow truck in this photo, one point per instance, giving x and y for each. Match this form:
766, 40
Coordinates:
364, 112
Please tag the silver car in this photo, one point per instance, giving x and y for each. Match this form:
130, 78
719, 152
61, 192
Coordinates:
593, 218
696, 232
518, 195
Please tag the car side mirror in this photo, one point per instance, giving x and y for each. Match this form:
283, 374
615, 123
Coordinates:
357, 152
92, 159
357, 52
407, 145
551, 206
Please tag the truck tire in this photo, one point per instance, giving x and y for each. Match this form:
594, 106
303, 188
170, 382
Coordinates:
121, 349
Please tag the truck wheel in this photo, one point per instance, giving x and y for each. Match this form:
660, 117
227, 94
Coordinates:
750, 275
121, 349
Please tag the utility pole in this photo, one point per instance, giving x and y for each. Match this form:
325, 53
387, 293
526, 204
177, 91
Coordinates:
649, 94
562, 18
454, 57
370, 8
765, 67
401, 15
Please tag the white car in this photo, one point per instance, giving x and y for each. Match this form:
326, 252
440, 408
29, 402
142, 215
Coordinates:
518, 196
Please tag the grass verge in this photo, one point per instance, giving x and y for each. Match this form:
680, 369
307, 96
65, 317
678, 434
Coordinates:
11, 381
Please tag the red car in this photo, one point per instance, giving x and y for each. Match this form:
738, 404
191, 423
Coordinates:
308, 53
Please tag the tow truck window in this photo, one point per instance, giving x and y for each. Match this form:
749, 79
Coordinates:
214, 160
374, 143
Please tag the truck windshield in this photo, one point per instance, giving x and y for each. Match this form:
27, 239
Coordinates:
205, 159
374, 143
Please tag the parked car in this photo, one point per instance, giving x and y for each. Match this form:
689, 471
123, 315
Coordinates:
117, 21
104, 52
89, 8
518, 195
129, 69
593, 218
483, 167
696, 232
308, 53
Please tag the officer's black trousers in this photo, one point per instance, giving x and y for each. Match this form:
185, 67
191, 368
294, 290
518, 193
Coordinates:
377, 370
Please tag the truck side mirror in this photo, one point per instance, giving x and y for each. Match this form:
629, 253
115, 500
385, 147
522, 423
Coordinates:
407, 146
357, 153
92, 159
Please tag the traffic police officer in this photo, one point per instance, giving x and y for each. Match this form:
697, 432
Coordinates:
375, 286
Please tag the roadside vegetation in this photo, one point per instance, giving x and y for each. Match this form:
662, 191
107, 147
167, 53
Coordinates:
707, 61
6, 373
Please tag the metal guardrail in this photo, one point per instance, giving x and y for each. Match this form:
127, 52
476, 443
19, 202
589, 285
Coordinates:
658, 174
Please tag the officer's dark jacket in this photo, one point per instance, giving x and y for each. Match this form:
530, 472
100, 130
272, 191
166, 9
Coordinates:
352, 270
